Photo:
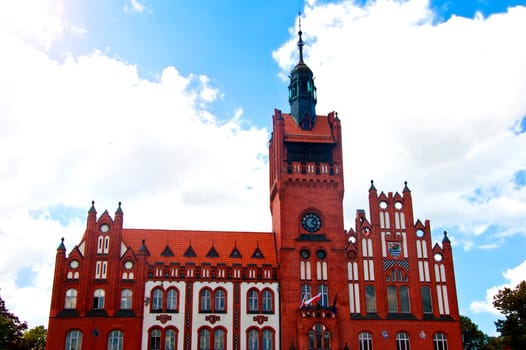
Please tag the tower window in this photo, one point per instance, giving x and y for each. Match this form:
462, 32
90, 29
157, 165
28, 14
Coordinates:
74, 340
98, 299
115, 340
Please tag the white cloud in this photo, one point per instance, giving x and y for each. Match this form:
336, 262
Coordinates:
432, 103
35, 21
134, 6
90, 128
513, 276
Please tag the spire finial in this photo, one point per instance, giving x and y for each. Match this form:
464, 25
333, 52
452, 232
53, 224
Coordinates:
300, 41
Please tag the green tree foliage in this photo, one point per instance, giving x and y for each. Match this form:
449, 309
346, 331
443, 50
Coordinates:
473, 338
11, 329
35, 338
512, 303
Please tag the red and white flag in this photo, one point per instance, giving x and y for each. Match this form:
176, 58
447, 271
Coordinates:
314, 299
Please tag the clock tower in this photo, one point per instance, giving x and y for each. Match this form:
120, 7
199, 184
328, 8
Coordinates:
306, 194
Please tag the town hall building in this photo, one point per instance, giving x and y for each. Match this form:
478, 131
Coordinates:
308, 284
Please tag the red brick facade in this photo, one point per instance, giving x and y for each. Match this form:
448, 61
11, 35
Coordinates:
308, 284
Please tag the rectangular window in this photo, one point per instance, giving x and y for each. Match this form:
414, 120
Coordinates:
370, 299
391, 299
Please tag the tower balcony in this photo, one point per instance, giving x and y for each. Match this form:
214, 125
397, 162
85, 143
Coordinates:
312, 168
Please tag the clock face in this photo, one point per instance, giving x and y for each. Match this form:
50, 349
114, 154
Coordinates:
128, 264
74, 264
311, 222
104, 228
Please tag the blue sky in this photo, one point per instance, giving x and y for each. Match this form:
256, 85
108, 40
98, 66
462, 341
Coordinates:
166, 106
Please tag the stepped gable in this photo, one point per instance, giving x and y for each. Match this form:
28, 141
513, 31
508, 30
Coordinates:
225, 242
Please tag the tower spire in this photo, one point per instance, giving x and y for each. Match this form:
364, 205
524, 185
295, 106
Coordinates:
302, 91
301, 43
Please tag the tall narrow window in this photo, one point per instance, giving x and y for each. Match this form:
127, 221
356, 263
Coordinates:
324, 295
204, 339
427, 306
365, 340
404, 299
171, 299
253, 300
402, 341
155, 340
219, 300
115, 340
391, 299
169, 339
106, 245
440, 341
268, 339
126, 299
205, 300
253, 340
157, 300
71, 299
370, 299
219, 339
74, 340
306, 293
98, 299
266, 299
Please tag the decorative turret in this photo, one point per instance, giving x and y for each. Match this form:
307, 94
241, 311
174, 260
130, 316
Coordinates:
302, 92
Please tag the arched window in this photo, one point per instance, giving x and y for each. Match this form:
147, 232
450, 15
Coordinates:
267, 339
204, 339
155, 340
439, 341
402, 341
219, 300
205, 300
98, 299
267, 301
306, 292
365, 340
74, 340
219, 339
172, 299
71, 299
126, 299
427, 306
157, 300
115, 340
253, 300
253, 339
319, 337
170, 336
324, 295
370, 299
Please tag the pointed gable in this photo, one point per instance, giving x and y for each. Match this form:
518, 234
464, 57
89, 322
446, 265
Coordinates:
235, 253
189, 252
212, 253
257, 253
167, 252
143, 249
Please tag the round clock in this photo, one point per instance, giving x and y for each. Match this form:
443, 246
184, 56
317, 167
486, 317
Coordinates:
311, 222
128, 264
74, 264
104, 228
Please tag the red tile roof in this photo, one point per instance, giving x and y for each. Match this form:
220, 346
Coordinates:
320, 133
202, 242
